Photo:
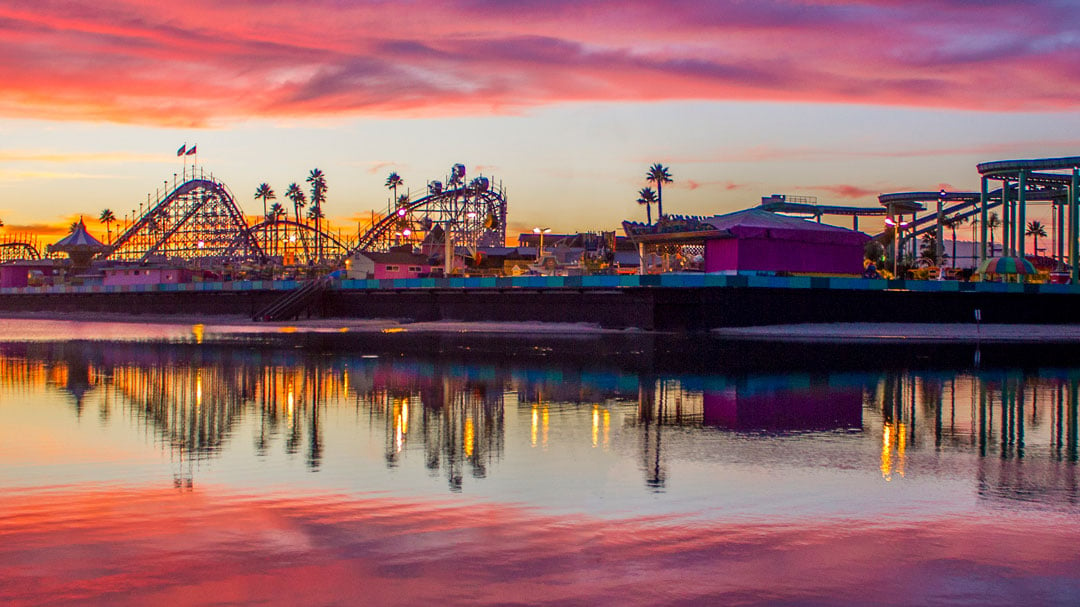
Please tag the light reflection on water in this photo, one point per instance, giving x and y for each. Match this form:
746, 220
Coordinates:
617, 481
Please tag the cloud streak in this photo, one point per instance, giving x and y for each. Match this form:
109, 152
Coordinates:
204, 63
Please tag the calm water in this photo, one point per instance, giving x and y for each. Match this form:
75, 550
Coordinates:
171, 464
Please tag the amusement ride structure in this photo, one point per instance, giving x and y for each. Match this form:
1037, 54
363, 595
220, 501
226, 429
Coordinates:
197, 219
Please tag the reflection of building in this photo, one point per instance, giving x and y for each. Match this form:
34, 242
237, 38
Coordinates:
1015, 432
771, 404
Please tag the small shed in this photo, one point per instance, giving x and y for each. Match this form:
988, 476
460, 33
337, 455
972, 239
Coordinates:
394, 264
146, 275
29, 272
755, 240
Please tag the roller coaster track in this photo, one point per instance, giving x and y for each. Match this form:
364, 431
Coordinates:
197, 218
967, 203
475, 217
10, 251
276, 234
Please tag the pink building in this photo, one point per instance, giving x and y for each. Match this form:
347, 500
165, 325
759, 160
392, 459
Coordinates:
761, 241
142, 275
26, 273
753, 241
395, 264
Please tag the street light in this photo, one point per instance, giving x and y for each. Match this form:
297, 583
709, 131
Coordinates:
939, 246
897, 228
541, 232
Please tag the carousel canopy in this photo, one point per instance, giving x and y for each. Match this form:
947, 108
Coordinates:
79, 241
1006, 265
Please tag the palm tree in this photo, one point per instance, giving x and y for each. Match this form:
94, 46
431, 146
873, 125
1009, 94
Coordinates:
659, 174
952, 223
107, 218
647, 197
393, 181
318, 196
265, 192
74, 226
992, 223
1036, 229
298, 198
276, 213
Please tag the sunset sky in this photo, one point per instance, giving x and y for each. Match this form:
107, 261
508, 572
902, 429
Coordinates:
567, 103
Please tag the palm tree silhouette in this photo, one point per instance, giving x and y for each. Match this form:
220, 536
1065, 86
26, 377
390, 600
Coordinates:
992, 223
647, 197
107, 218
318, 196
659, 174
265, 192
393, 181
276, 213
952, 223
1035, 229
298, 198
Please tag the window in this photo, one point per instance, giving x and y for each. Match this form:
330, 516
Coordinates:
391, 268
415, 269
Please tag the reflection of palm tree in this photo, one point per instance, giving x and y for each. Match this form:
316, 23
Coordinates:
1036, 229
107, 218
647, 197
659, 174
992, 223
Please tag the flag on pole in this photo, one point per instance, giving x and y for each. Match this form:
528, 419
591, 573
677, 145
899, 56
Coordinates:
182, 149
192, 150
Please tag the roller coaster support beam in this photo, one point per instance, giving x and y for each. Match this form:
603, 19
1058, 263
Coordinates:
984, 200
1021, 223
1074, 225
1006, 248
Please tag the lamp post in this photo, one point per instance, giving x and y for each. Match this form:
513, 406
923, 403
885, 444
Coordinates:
897, 227
541, 232
939, 245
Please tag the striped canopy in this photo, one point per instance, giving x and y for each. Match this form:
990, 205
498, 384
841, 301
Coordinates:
1006, 265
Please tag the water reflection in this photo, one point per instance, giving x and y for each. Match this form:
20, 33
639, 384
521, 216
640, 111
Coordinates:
452, 417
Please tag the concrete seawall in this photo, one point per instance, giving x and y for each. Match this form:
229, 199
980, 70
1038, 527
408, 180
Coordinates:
649, 303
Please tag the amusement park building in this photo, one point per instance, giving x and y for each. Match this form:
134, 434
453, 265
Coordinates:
23, 273
394, 264
143, 275
760, 241
753, 241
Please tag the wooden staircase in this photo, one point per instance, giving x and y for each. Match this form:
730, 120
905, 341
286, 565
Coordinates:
292, 304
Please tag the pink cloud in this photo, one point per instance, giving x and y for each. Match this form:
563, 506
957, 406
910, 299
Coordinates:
724, 185
844, 190
204, 62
